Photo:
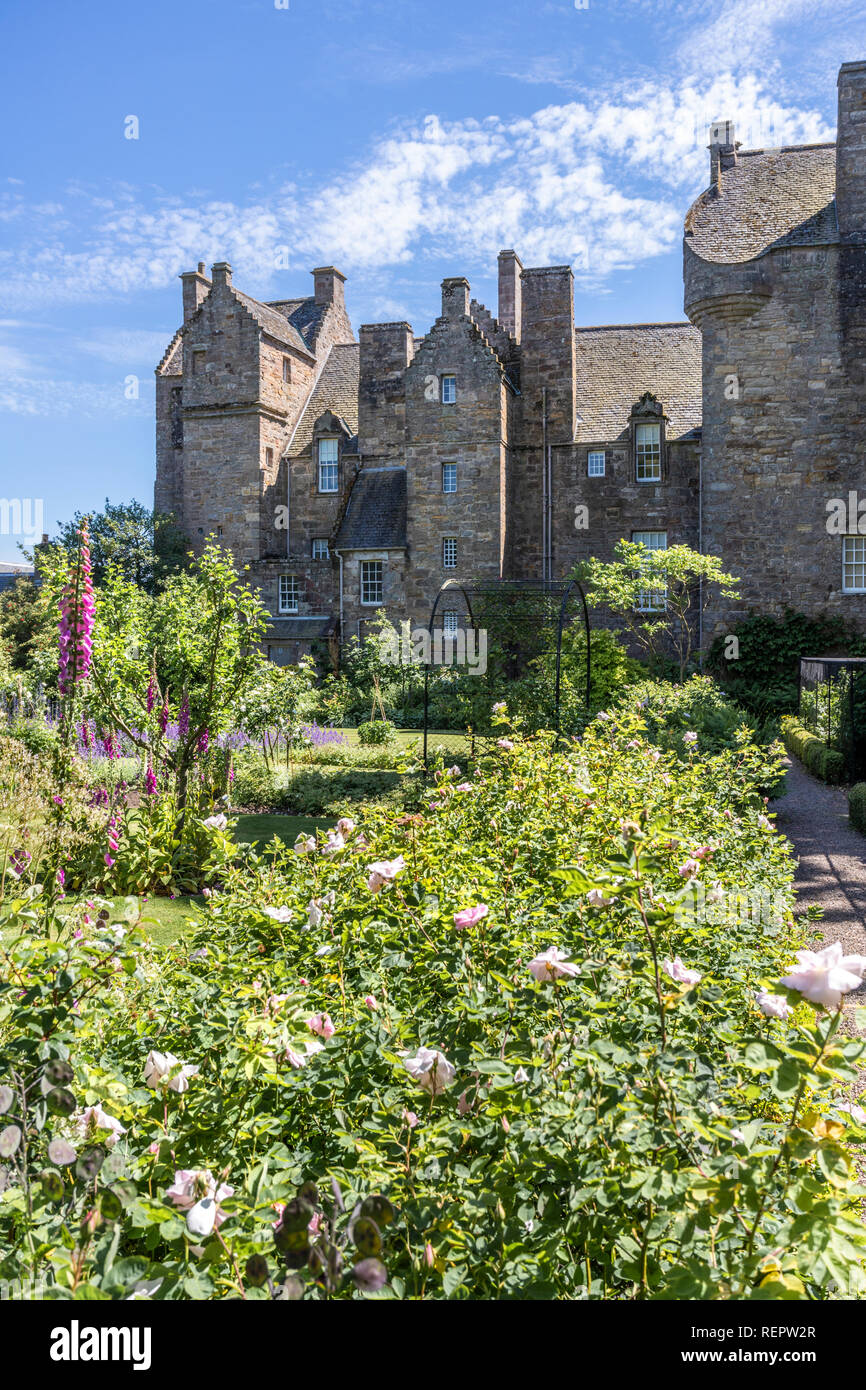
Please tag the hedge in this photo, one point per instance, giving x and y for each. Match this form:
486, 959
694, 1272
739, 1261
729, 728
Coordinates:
814, 754
857, 806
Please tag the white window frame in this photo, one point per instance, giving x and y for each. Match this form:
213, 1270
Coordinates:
448, 388
331, 464
451, 476
648, 452
321, 555
364, 583
855, 546
450, 622
596, 463
651, 600
289, 593
449, 552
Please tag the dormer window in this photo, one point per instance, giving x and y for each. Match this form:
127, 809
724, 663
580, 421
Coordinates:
329, 465
648, 453
449, 390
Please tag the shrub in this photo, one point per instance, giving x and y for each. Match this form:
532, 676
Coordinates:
857, 806
35, 734
619, 1132
821, 761
376, 731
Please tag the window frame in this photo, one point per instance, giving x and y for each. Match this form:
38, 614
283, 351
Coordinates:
648, 594
363, 580
856, 563
320, 540
333, 463
293, 583
640, 457
450, 377
450, 628
449, 491
448, 541
593, 455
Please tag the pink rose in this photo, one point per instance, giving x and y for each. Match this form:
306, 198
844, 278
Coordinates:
371, 1002
322, 1025
679, 974
470, 915
552, 964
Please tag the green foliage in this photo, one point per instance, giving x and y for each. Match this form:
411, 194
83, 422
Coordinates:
612, 1135
141, 546
377, 732
763, 676
820, 760
36, 735
311, 792
682, 582
857, 806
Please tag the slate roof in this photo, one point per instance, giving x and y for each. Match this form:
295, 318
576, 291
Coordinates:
783, 197
615, 365
375, 516
336, 390
273, 322
304, 314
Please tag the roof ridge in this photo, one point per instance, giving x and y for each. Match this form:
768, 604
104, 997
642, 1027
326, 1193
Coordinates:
606, 327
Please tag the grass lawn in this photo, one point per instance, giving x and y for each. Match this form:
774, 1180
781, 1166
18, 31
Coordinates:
263, 828
459, 743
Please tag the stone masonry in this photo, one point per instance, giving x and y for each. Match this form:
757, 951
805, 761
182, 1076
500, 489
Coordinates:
353, 476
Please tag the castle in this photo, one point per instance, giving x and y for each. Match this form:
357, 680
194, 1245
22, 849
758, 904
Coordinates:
359, 475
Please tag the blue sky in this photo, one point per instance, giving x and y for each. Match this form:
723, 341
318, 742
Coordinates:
402, 141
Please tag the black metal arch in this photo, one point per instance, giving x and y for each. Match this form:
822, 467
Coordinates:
547, 586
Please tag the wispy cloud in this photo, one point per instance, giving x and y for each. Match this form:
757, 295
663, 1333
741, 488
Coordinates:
602, 181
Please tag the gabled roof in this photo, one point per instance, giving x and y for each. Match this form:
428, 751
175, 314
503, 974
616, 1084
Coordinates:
375, 516
616, 365
275, 324
304, 314
768, 198
171, 363
336, 390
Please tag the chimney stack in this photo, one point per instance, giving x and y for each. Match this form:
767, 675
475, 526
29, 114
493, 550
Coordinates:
221, 272
455, 298
195, 288
723, 148
328, 284
851, 152
510, 293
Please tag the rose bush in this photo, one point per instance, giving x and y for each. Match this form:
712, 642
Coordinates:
575, 1093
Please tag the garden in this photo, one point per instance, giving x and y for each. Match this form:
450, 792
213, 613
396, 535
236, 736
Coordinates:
287, 1015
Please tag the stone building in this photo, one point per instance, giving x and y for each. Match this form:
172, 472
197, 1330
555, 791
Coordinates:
353, 475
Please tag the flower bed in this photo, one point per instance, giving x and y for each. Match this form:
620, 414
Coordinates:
529, 1042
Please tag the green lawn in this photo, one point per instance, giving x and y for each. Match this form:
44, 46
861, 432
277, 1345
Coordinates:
447, 737
263, 828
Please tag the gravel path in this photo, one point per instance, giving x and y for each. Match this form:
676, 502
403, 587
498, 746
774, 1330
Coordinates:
831, 873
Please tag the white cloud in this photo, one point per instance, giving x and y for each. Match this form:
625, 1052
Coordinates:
603, 181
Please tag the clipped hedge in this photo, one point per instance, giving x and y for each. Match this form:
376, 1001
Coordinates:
815, 756
857, 806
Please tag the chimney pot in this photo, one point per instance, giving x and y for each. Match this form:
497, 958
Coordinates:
328, 284
455, 297
221, 272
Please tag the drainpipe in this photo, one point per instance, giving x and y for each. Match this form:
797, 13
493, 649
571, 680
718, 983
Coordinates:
700, 552
544, 482
339, 555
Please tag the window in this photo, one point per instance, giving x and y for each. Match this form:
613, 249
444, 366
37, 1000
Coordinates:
287, 370
648, 453
449, 390
219, 533
289, 593
651, 600
449, 477
449, 552
329, 465
320, 549
449, 622
269, 458
372, 581
595, 463
854, 564
198, 360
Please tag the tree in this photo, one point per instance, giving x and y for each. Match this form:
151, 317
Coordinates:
142, 546
659, 595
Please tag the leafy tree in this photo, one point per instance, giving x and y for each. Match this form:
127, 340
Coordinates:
143, 546
659, 595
